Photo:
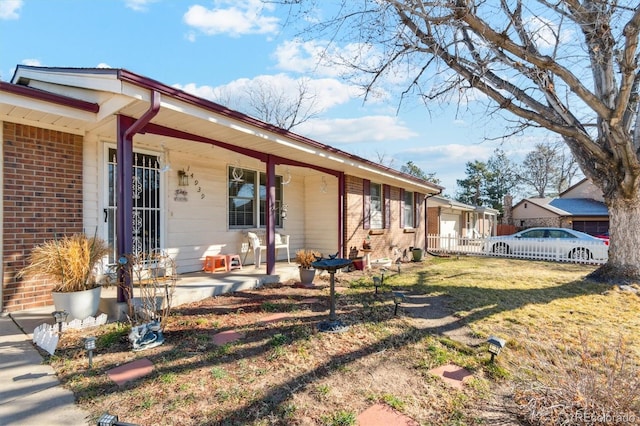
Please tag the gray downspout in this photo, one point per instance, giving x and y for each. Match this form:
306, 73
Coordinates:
124, 217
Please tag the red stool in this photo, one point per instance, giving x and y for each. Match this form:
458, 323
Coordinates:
215, 263
233, 262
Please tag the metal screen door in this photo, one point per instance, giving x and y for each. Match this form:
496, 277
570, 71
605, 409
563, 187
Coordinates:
146, 204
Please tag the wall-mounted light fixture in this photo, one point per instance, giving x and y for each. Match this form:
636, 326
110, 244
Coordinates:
183, 178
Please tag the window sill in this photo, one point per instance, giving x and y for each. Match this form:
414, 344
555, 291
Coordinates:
409, 230
376, 232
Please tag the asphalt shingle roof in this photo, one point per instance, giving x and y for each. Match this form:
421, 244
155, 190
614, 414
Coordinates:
580, 206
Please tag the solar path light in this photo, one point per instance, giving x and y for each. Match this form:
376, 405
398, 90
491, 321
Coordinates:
90, 346
495, 346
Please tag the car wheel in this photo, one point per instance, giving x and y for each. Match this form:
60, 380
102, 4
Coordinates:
580, 254
500, 248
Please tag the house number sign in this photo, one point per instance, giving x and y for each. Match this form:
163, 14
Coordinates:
182, 195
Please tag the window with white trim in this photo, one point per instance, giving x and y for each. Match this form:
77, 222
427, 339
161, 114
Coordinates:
409, 210
246, 204
375, 206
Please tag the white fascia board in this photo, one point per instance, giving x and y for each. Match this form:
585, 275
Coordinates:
105, 81
47, 107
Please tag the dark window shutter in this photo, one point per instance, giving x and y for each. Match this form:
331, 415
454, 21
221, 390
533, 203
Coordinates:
401, 215
366, 203
416, 206
386, 190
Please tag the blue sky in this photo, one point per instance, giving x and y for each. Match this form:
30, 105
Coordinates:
213, 47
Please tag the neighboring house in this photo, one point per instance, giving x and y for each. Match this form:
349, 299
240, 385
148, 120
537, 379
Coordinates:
198, 177
580, 207
450, 218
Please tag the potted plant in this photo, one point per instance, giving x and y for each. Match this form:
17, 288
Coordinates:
304, 259
71, 262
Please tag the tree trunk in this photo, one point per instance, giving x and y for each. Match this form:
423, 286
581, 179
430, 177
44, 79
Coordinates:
623, 266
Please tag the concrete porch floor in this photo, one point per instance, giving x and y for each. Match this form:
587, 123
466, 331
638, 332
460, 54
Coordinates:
200, 285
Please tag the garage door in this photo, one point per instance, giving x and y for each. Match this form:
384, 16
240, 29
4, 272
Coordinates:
594, 227
449, 225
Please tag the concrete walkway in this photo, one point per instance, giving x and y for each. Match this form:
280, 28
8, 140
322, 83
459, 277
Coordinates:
30, 393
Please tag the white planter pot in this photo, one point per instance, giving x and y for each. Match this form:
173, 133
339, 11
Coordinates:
306, 276
79, 304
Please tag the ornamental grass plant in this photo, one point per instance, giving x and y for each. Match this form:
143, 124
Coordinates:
305, 258
71, 261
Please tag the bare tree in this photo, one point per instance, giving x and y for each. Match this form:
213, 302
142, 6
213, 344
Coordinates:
568, 169
272, 103
285, 110
540, 168
568, 66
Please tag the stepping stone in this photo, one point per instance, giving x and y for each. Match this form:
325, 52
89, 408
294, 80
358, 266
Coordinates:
452, 374
274, 318
131, 371
383, 415
225, 337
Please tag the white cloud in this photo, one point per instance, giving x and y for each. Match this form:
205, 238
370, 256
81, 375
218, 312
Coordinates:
546, 33
31, 62
233, 17
341, 131
138, 5
103, 65
9, 9
325, 93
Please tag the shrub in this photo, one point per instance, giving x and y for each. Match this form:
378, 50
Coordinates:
71, 261
580, 386
305, 258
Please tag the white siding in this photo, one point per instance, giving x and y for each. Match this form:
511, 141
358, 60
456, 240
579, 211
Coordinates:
321, 219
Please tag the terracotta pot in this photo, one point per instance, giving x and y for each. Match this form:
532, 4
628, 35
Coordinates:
78, 304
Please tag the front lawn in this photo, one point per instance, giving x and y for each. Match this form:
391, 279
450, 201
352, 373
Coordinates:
570, 344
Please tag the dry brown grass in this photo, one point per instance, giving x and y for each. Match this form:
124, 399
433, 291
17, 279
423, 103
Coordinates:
289, 373
70, 261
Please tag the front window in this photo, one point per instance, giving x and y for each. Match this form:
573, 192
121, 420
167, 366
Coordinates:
408, 210
375, 208
248, 198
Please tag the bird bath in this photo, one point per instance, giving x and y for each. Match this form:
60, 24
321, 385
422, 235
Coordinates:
331, 265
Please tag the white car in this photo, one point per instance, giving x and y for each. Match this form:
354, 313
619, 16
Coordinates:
549, 243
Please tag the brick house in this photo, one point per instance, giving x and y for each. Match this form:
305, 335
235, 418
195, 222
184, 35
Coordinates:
581, 207
201, 176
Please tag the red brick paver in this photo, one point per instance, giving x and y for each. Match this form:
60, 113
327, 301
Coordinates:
131, 371
275, 318
383, 415
452, 374
225, 337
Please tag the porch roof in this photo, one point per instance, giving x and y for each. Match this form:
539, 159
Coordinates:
88, 100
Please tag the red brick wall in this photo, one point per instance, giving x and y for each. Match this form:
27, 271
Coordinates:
42, 199
381, 239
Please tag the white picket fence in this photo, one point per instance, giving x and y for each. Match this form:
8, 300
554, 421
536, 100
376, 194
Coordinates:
587, 252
